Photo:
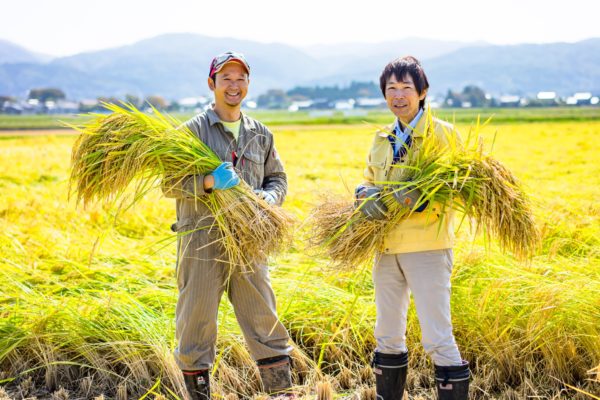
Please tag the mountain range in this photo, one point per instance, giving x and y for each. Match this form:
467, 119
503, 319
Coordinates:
176, 66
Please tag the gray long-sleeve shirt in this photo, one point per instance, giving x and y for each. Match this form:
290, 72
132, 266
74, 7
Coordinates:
253, 154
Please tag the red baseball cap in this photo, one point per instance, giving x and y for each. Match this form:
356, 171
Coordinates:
230, 56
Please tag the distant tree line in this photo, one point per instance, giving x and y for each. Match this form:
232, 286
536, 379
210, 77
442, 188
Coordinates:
355, 90
53, 94
277, 98
158, 102
54, 100
46, 94
472, 95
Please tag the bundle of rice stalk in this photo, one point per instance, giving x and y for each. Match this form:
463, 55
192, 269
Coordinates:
121, 156
455, 176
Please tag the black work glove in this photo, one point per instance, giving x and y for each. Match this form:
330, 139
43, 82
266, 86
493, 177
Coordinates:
409, 196
368, 201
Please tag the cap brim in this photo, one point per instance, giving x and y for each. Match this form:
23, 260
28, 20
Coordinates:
234, 60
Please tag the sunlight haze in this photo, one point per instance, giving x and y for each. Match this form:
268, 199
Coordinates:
64, 27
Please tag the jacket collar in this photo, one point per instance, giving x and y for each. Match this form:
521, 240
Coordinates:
423, 124
418, 131
398, 129
213, 119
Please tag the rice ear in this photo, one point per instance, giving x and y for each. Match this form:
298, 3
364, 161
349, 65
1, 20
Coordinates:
120, 157
456, 176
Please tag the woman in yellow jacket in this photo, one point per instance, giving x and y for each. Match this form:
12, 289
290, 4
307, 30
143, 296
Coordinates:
417, 255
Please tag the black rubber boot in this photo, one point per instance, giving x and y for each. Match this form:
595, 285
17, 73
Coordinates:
390, 375
197, 384
276, 376
453, 382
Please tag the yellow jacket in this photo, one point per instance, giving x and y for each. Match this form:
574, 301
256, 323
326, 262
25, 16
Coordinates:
419, 231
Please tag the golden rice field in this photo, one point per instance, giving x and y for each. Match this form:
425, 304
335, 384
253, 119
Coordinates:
87, 300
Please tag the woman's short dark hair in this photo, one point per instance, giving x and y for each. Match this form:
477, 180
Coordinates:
401, 67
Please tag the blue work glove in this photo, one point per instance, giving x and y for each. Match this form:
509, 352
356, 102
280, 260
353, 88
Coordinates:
408, 197
368, 201
266, 195
225, 176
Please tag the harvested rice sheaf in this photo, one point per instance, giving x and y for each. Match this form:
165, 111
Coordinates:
121, 156
455, 176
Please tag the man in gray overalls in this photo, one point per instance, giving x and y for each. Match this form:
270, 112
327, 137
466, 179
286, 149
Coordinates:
203, 273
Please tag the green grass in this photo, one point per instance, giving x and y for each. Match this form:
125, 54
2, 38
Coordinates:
84, 298
276, 118
26, 122
458, 115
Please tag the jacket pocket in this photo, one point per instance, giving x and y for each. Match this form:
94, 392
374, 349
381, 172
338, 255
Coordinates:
378, 159
253, 168
378, 167
377, 164
255, 157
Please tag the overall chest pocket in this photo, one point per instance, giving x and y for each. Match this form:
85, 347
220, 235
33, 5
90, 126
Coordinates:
253, 167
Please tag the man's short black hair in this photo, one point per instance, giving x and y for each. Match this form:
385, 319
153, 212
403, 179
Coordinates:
401, 67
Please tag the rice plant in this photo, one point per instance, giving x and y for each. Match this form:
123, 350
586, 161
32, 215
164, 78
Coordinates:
129, 149
88, 304
454, 176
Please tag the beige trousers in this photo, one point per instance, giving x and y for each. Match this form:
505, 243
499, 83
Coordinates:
202, 277
427, 275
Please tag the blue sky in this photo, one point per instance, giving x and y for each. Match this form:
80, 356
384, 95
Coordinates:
63, 27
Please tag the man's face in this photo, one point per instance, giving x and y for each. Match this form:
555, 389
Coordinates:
230, 85
402, 98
